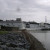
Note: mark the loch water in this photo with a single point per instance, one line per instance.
(43, 37)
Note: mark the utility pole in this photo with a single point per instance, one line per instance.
(45, 19)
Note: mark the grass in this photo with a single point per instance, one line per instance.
(3, 32)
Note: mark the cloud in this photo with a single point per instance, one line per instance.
(43, 2)
(33, 9)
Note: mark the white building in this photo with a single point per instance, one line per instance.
(45, 25)
(32, 26)
(12, 23)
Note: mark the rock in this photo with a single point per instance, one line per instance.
(19, 41)
(13, 41)
(1, 48)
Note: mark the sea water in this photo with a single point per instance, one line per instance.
(43, 37)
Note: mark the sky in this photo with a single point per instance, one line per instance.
(28, 10)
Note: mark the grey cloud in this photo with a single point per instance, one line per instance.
(28, 9)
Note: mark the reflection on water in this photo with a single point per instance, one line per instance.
(42, 36)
